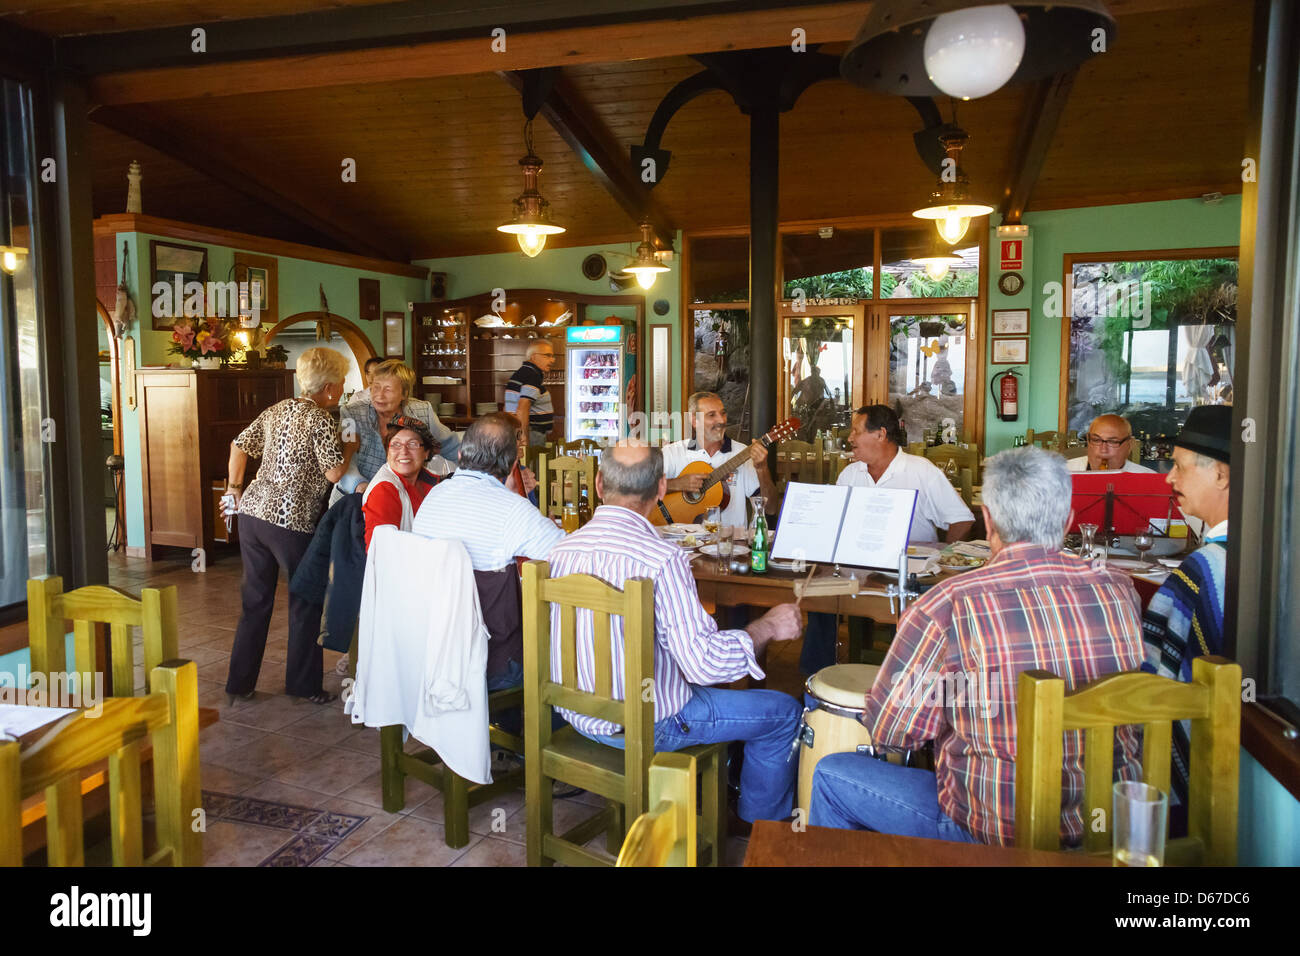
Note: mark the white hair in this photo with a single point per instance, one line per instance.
(1028, 493)
(538, 346)
(318, 367)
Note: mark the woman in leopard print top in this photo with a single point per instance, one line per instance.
(301, 455)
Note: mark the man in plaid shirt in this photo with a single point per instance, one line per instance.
(951, 672)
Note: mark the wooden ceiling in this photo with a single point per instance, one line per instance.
(73, 17)
(1162, 115)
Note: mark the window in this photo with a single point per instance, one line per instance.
(901, 277)
(24, 426)
(719, 268)
(1149, 338)
(839, 266)
(927, 371)
(722, 361)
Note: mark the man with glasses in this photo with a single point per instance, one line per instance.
(527, 397)
(1110, 439)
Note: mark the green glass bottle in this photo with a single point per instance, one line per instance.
(758, 545)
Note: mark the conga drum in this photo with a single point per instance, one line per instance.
(836, 700)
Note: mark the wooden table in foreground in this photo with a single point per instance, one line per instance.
(776, 844)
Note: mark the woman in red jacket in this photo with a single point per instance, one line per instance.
(394, 494)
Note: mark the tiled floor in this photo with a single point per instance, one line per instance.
(291, 783)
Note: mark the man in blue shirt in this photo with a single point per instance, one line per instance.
(526, 395)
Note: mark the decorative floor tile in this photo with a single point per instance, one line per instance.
(311, 831)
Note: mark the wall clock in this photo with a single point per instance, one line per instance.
(1011, 283)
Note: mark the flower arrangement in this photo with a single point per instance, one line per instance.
(276, 356)
(195, 340)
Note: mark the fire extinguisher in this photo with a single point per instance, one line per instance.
(1009, 400)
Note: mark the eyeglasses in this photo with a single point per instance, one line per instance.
(413, 445)
(1108, 442)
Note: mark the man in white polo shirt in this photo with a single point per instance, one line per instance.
(708, 418)
(1109, 439)
(878, 461)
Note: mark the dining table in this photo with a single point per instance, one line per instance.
(778, 843)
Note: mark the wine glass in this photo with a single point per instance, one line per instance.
(713, 519)
(1087, 530)
(725, 545)
(1144, 541)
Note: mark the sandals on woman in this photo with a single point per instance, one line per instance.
(324, 697)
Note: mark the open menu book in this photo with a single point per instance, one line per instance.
(854, 525)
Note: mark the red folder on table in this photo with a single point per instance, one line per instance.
(1124, 500)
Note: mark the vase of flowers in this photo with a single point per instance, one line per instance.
(206, 344)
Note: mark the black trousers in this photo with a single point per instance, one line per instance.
(265, 549)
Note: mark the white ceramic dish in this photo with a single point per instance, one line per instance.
(737, 550)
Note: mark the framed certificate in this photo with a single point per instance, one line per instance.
(1010, 352)
(1010, 321)
(394, 334)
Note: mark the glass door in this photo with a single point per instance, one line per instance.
(920, 354)
(818, 365)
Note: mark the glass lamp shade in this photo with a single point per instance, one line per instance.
(937, 263)
(645, 275)
(531, 235)
(952, 221)
(645, 266)
(9, 261)
(973, 52)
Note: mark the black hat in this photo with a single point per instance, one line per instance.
(1208, 432)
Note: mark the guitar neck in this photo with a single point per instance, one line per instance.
(723, 471)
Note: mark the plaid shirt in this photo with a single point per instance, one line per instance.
(951, 672)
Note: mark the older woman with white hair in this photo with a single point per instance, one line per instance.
(391, 385)
(951, 673)
(302, 455)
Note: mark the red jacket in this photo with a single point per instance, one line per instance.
(384, 505)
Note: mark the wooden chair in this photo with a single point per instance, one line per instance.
(665, 835)
(940, 455)
(1052, 441)
(93, 609)
(799, 461)
(578, 447)
(458, 794)
(1077, 451)
(1212, 701)
(916, 448)
(1135, 451)
(59, 763)
(619, 776)
(561, 480)
(835, 465)
(967, 483)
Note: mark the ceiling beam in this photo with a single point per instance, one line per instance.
(1034, 139)
(457, 56)
(593, 143)
(219, 164)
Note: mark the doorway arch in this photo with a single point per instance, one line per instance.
(349, 332)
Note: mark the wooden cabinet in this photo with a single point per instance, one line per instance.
(188, 419)
(481, 359)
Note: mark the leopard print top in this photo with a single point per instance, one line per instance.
(297, 442)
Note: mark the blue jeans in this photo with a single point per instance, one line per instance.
(853, 791)
(766, 720)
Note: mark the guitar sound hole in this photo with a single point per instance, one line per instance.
(693, 497)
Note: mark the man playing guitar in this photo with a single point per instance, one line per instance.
(708, 418)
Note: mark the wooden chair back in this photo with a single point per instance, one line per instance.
(916, 448)
(799, 461)
(562, 480)
(1212, 702)
(666, 834)
(940, 455)
(1052, 441)
(578, 447)
(836, 465)
(1075, 451)
(94, 610)
(1135, 451)
(57, 763)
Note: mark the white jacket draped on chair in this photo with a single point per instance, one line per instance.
(422, 649)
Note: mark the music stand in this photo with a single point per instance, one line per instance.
(1121, 502)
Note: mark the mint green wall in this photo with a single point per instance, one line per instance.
(1268, 828)
(560, 269)
(1174, 224)
(298, 290)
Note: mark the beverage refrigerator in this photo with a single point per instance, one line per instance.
(595, 383)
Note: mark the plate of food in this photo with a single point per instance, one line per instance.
(965, 556)
(681, 530)
(737, 550)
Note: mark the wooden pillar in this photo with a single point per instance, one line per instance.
(764, 196)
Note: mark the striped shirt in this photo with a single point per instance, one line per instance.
(617, 544)
(495, 524)
(527, 382)
(950, 676)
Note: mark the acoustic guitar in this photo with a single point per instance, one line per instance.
(686, 506)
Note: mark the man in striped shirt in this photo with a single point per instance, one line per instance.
(690, 653)
(950, 675)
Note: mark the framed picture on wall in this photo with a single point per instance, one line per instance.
(368, 294)
(263, 280)
(1010, 351)
(167, 262)
(1010, 321)
(395, 335)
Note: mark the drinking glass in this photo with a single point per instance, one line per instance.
(1144, 541)
(1140, 814)
(724, 545)
(712, 519)
(1087, 531)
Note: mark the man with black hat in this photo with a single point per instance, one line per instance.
(1185, 617)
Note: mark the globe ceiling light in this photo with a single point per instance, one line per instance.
(531, 223)
(645, 266)
(889, 54)
(952, 205)
(972, 53)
